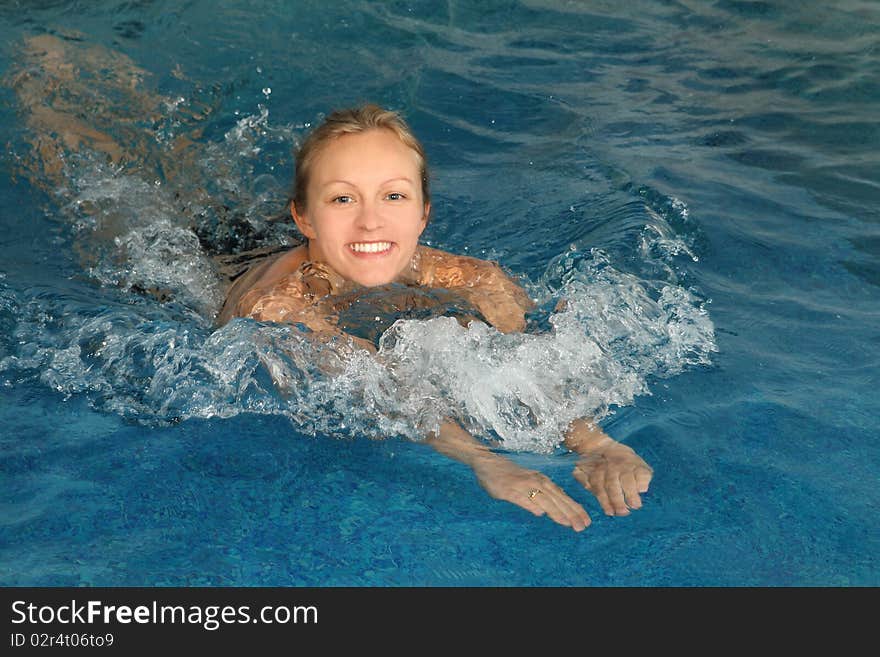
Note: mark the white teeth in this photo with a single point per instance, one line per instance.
(371, 247)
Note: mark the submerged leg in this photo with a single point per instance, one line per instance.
(74, 96)
(98, 139)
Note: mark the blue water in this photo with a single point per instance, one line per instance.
(702, 179)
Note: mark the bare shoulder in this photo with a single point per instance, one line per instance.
(502, 300)
(258, 280)
(450, 270)
(283, 266)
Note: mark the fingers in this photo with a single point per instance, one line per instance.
(616, 498)
(643, 478)
(552, 501)
(607, 491)
(616, 493)
(531, 490)
(630, 490)
(565, 510)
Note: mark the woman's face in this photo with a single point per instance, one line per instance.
(365, 210)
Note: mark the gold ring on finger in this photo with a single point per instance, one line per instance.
(534, 492)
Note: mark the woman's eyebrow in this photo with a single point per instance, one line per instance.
(403, 178)
(390, 180)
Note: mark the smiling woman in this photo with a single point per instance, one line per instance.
(686, 190)
(359, 202)
(362, 200)
(366, 226)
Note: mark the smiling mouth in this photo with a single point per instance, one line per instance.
(370, 247)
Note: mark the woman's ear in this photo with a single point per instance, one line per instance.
(302, 222)
(425, 216)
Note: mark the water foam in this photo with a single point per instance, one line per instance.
(614, 333)
(599, 337)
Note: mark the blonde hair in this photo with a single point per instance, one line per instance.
(351, 121)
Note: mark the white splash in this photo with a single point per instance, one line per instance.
(614, 334)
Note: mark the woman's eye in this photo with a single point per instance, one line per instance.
(343, 199)
(394, 196)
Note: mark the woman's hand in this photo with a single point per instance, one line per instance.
(505, 480)
(611, 471)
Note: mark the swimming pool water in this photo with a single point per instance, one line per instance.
(726, 152)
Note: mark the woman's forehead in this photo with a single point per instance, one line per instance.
(372, 154)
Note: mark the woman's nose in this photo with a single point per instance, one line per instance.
(369, 218)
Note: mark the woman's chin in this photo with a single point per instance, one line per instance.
(373, 276)
(373, 281)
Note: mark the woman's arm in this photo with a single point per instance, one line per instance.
(502, 302)
(503, 479)
(613, 472)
